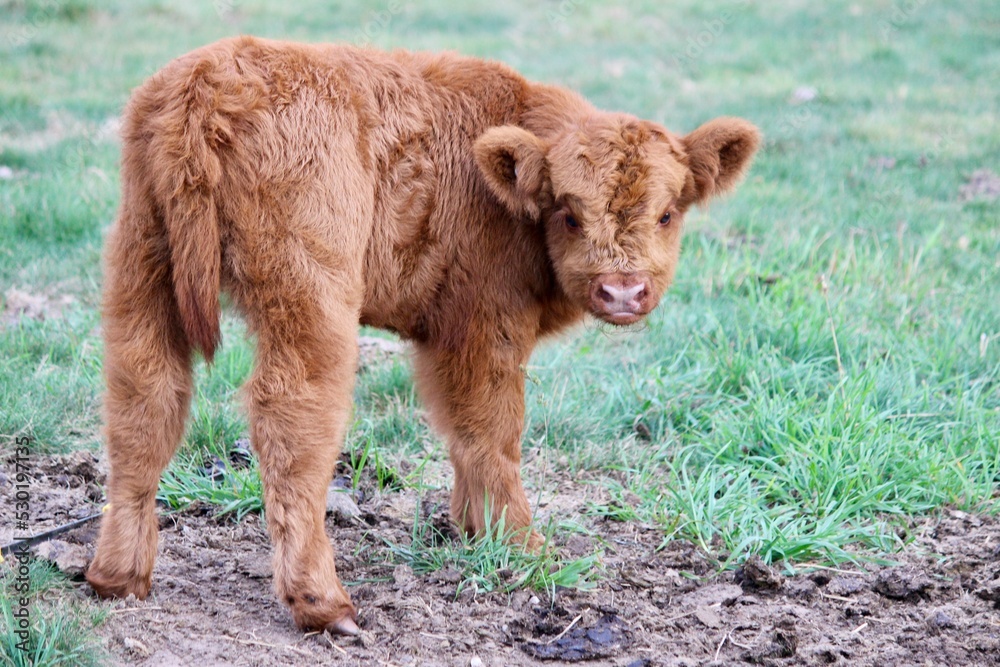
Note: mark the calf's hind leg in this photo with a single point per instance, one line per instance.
(299, 402)
(147, 367)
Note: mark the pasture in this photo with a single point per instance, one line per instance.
(796, 460)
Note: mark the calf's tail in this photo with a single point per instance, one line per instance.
(194, 107)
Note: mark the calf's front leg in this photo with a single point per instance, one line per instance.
(476, 400)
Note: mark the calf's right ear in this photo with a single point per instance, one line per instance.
(512, 160)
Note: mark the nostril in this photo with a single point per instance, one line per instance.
(633, 292)
(604, 295)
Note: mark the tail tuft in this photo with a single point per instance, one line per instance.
(195, 261)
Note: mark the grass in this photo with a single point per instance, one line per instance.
(495, 560)
(365, 458)
(60, 632)
(825, 369)
(238, 492)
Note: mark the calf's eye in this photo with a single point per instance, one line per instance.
(572, 222)
(665, 220)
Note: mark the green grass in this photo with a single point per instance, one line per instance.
(60, 632)
(50, 373)
(238, 492)
(494, 560)
(825, 369)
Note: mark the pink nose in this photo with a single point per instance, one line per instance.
(621, 298)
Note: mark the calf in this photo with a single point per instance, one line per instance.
(321, 187)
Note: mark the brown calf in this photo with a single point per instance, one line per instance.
(444, 198)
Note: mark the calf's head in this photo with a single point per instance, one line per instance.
(612, 192)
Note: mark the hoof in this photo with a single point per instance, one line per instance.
(117, 586)
(314, 613)
(345, 626)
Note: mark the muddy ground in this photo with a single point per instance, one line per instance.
(212, 605)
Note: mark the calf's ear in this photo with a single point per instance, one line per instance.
(512, 161)
(719, 153)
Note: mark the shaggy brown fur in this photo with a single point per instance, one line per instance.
(444, 198)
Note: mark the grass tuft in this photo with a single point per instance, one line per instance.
(494, 560)
(239, 491)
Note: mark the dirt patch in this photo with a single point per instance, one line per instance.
(982, 184)
(373, 351)
(19, 304)
(62, 489)
(657, 604)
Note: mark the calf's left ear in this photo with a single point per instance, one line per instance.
(512, 161)
(719, 153)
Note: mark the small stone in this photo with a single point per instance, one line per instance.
(340, 503)
(476, 661)
(80, 512)
(534, 601)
